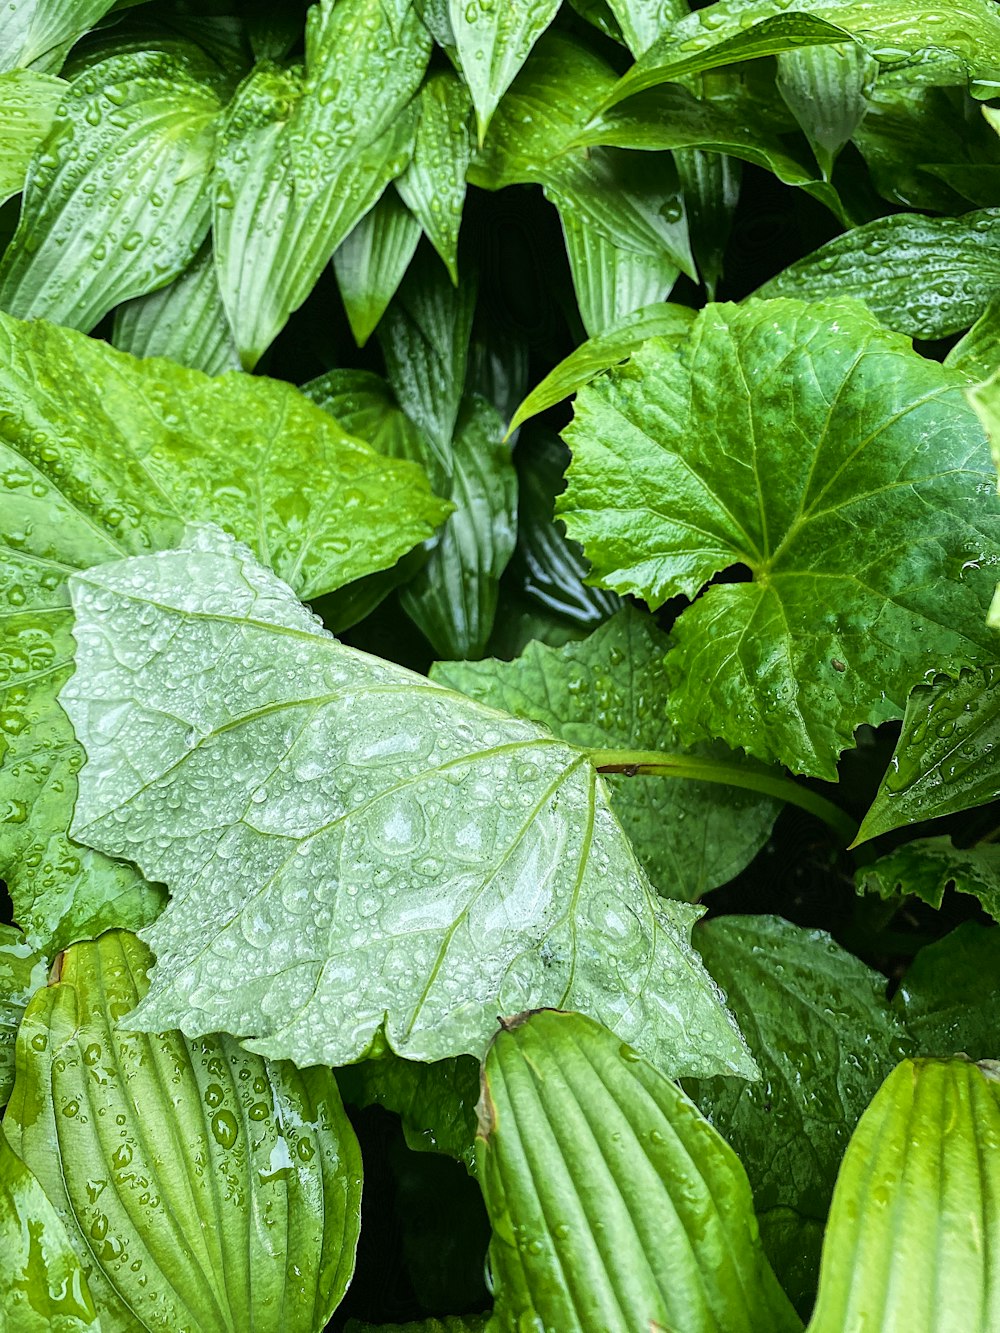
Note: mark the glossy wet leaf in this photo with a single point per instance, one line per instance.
(43, 1286)
(201, 1186)
(366, 407)
(927, 867)
(493, 42)
(612, 282)
(977, 355)
(452, 861)
(924, 276)
(433, 185)
(949, 998)
(116, 203)
(304, 154)
(643, 21)
(920, 1178)
(22, 971)
(946, 755)
(824, 1036)
(371, 262)
(39, 32)
(472, 1323)
(845, 472)
(608, 692)
(710, 183)
(28, 104)
(160, 443)
(826, 89)
(614, 1203)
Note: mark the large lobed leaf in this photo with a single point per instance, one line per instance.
(381, 851)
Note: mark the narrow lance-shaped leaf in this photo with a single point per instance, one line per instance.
(977, 355)
(370, 263)
(710, 183)
(614, 1203)
(116, 203)
(201, 1186)
(611, 282)
(493, 41)
(826, 89)
(28, 104)
(926, 867)
(810, 445)
(451, 862)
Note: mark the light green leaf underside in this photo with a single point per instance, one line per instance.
(923, 276)
(643, 21)
(921, 1177)
(608, 692)
(433, 185)
(824, 1037)
(371, 262)
(22, 971)
(451, 862)
(35, 32)
(185, 321)
(846, 472)
(949, 998)
(158, 444)
(43, 1288)
(946, 756)
(826, 88)
(116, 202)
(28, 103)
(493, 42)
(927, 867)
(201, 1186)
(614, 1204)
(304, 154)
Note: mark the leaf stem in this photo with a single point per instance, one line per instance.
(701, 768)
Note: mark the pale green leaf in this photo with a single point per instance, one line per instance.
(22, 971)
(913, 1239)
(158, 444)
(201, 1186)
(37, 32)
(643, 21)
(810, 445)
(185, 321)
(433, 185)
(493, 41)
(612, 283)
(614, 1203)
(366, 407)
(28, 104)
(927, 867)
(452, 862)
(926, 277)
(608, 692)
(371, 261)
(977, 355)
(826, 88)
(116, 202)
(43, 1289)
(946, 757)
(304, 154)
(949, 998)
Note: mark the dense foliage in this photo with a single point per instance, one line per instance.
(497, 521)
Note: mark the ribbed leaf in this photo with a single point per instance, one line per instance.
(949, 998)
(926, 867)
(710, 183)
(116, 203)
(612, 283)
(38, 32)
(452, 859)
(977, 355)
(826, 89)
(28, 104)
(471, 1323)
(371, 262)
(433, 185)
(22, 971)
(201, 1186)
(614, 1203)
(913, 1239)
(985, 402)
(493, 41)
(303, 156)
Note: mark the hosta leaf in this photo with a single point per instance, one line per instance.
(43, 1286)
(928, 866)
(366, 407)
(28, 103)
(22, 971)
(371, 262)
(927, 277)
(433, 185)
(949, 998)
(614, 1203)
(710, 183)
(643, 21)
(36, 32)
(913, 1239)
(201, 1186)
(116, 203)
(825, 1037)
(689, 836)
(845, 472)
(102, 456)
(450, 863)
(303, 155)
(977, 355)
(611, 282)
(826, 88)
(185, 321)
(946, 756)
(493, 42)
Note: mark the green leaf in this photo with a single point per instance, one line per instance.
(22, 971)
(116, 202)
(826, 88)
(824, 1037)
(433, 185)
(370, 263)
(493, 42)
(710, 183)
(985, 402)
(926, 867)
(949, 998)
(614, 1203)
(945, 758)
(157, 444)
(920, 1180)
(610, 281)
(38, 32)
(977, 355)
(28, 103)
(926, 277)
(616, 343)
(366, 407)
(44, 1287)
(452, 861)
(845, 472)
(201, 1186)
(303, 156)
(606, 692)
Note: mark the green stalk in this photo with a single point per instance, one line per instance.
(700, 768)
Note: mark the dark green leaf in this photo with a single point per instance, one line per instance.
(643, 21)
(22, 971)
(711, 186)
(450, 863)
(371, 261)
(928, 866)
(28, 104)
(950, 997)
(493, 41)
(433, 185)
(977, 355)
(826, 89)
